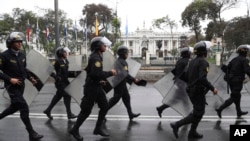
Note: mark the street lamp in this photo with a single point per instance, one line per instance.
(183, 39)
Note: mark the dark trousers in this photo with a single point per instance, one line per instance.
(18, 103)
(60, 93)
(235, 96)
(92, 95)
(198, 99)
(121, 92)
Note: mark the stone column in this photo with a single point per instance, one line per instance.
(217, 58)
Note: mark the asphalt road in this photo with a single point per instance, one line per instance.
(147, 127)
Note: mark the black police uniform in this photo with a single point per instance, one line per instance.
(121, 91)
(61, 67)
(237, 69)
(13, 65)
(93, 93)
(197, 88)
(180, 68)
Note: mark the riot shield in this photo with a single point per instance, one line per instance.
(177, 98)
(133, 67)
(43, 70)
(108, 64)
(40, 72)
(164, 84)
(75, 88)
(75, 62)
(75, 65)
(121, 74)
(215, 77)
(108, 60)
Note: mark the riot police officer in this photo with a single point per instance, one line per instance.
(179, 72)
(236, 69)
(93, 91)
(121, 90)
(14, 73)
(197, 85)
(61, 81)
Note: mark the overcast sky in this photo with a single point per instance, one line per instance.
(136, 11)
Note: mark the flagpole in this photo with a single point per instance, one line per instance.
(86, 37)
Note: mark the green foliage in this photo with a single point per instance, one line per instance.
(237, 32)
(116, 45)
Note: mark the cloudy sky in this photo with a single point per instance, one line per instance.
(136, 11)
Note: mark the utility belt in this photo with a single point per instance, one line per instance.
(196, 88)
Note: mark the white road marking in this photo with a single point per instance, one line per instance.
(140, 118)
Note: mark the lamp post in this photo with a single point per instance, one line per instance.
(56, 23)
(183, 39)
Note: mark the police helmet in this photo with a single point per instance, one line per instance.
(243, 49)
(60, 51)
(97, 42)
(201, 47)
(14, 37)
(186, 51)
(122, 50)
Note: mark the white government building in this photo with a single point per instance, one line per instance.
(144, 41)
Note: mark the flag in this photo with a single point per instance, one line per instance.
(75, 29)
(28, 31)
(126, 27)
(96, 26)
(47, 31)
(65, 31)
(85, 31)
(37, 29)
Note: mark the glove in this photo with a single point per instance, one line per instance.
(141, 82)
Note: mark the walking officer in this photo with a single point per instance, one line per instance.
(14, 72)
(180, 74)
(236, 70)
(197, 88)
(61, 81)
(93, 91)
(121, 90)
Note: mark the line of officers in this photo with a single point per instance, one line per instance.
(14, 72)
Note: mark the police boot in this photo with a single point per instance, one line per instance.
(48, 114)
(33, 135)
(223, 106)
(161, 108)
(72, 116)
(193, 133)
(238, 109)
(75, 133)
(175, 129)
(132, 115)
(175, 126)
(100, 131)
(98, 128)
(241, 113)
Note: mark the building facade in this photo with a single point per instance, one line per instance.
(157, 44)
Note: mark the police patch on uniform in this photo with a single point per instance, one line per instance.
(13, 61)
(207, 69)
(125, 67)
(98, 64)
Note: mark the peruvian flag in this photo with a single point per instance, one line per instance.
(28, 31)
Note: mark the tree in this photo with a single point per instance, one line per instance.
(104, 15)
(237, 32)
(18, 20)
(193, 15)
(165, 22)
